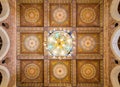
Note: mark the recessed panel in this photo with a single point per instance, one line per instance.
(88, 43)
(89, 72)
(30, 73)
(60, 15)
(31, 15)
(31, 43)
(60, 71)
(88, 15)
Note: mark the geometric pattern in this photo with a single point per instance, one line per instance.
(60, 71)
(60, 15)
(30, 72)
(31, 15)
(88, 15)
(31, 43)
(64, 17)
(89, 71)
(88, 43)
(30, 39)
(59, 43)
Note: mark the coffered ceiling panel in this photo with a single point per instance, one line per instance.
(30, 73)
(88, 15)
(31, 15)
(60, 14)
(89, 42)
(30, 42)
(89, 72)
(60, 72)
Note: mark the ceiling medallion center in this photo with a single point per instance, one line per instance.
(59, 43)
(88, 15)
(59, 15)
(87, 43)
(60, 71)
(31, 43)
(32, 71)
(32, 15)
(88, 71)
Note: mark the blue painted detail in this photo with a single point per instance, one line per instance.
(50, 46)
(57, 35)
(67, 47)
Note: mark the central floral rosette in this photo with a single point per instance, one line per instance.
(59, 43)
